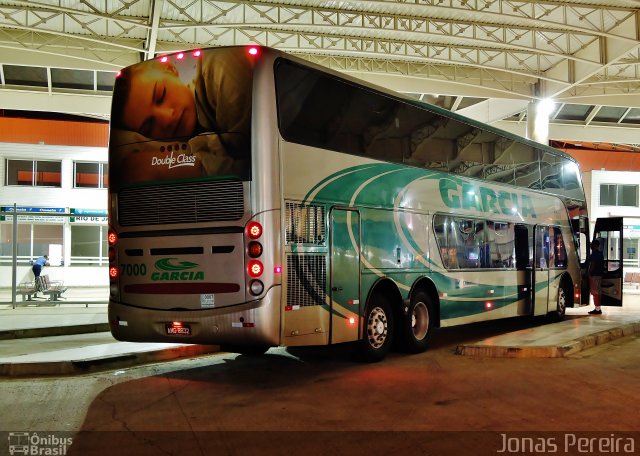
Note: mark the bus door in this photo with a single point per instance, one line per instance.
(344, 276)
(609, 232)
(524, 266)
(580, 228)
(540, 270)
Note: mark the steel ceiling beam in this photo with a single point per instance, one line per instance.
(152, 37)
(577, 50)
(560, 43)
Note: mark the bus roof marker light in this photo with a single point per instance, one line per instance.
(197, 53)
(180, 56)
(253, 50)
(164, 59)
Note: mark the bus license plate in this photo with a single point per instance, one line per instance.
(184, 330)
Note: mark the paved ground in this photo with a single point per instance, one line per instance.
(521, 383)
(72, 339)
(318, 401)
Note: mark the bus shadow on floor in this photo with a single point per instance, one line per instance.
(451, 337)
(442, 339)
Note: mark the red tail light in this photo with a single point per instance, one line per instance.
(254, 230)
(112, 237)
(254, 249)
(113, 272)
(255, 268)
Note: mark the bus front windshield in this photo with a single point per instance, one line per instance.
(181, 117)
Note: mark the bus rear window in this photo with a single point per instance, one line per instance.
(182, 116)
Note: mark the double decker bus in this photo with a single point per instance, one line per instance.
(259, 200)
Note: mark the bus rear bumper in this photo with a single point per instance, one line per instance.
(252, 323)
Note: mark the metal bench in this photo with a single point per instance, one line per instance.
(28, 290)
(42, 284)
(632, 279)
(53, 288)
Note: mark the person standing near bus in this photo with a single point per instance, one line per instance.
(39, 264)
(596, 269)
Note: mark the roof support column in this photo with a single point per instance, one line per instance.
(538, 112)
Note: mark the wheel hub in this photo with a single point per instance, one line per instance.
(377, 327)
(420, 320)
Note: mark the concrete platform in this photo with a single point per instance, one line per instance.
(71, 339)
(576, 333)
(74, 340)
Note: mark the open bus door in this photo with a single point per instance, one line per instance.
(609, 232)
(580, 228)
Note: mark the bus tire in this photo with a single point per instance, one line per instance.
(561, 304)
(378, 330)
(417, 323)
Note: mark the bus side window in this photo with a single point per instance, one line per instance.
(542, 247)
(523, 246)
(502, 244)
(559, 249)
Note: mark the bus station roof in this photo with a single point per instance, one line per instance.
(487, 59)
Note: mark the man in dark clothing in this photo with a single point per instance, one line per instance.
(39, 264)
(596, 269)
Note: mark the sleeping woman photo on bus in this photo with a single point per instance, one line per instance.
(185, 115)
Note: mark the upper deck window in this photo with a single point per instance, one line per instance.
(322, 110)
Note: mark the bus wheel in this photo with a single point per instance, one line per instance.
(561, 305)
(417, 323)
(378, 330)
